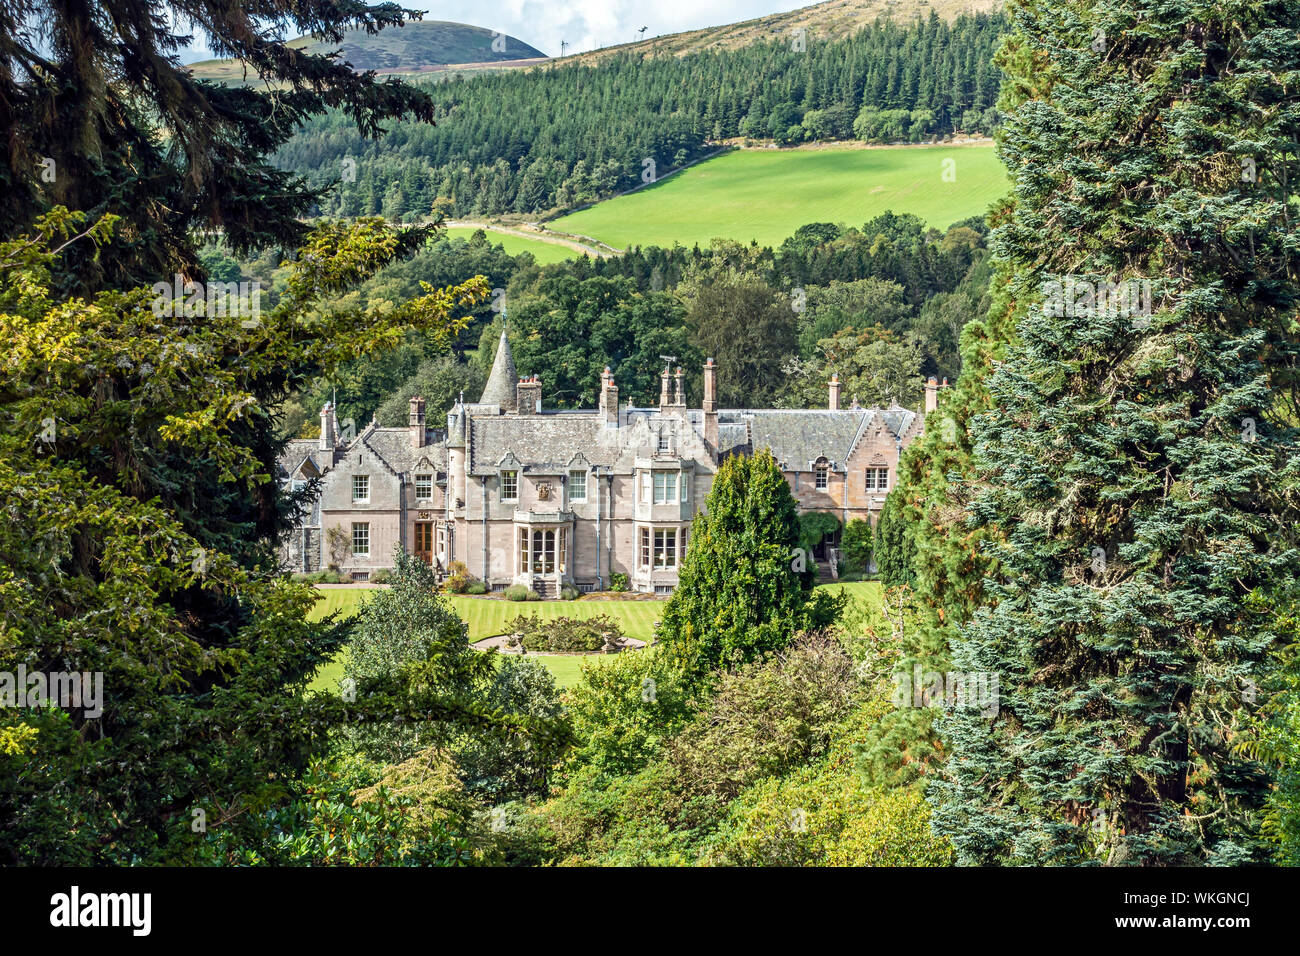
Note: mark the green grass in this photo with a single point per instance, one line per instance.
(767, 194)
(488, 617)
(545, 253)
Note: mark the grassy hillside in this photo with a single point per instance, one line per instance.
(829, 20)
(766, 194)
(414, 48)
(544, 252)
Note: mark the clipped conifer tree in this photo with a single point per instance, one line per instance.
(744, 586)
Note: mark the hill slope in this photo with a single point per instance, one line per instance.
(830, 20)
(766, 195)
(417, 47)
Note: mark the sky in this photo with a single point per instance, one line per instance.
(585, 24)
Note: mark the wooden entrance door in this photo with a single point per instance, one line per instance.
(424, 541)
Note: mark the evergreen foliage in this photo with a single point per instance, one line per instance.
(895, 549)
(101, 116)
(105, 566)
(857, 544)
(1136, 470)
(561, 136)
(741, 593)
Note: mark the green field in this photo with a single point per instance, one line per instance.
(544, 252)
(767, 194)
(487, 617)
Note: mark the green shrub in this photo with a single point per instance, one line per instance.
(410, 629)
(570, 593)
(618, 581)
(564, 633)
(501, 766)
(518, 592)
(895, 545)
(856, 544)
(382, 576)
(623, 710)
(476, 587)
(739, 594)
(458, 578)
(326, 576)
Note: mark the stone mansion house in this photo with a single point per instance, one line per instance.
(547, 497)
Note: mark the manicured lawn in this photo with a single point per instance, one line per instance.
(859, 590)
(767, 194)
(544, 252)
(487, 617)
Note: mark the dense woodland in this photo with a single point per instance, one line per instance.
(881, 304)
(558, 137)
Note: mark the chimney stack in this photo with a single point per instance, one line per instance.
(417, 422)
(835, 392)
(664, 399)
(710, 386)
(328, 427)
(529, 396)
(710, 406)
(608, 397)
(680, 401)
(932, 394)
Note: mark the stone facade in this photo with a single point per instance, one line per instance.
(522, 494)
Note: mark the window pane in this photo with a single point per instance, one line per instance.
(577, 486)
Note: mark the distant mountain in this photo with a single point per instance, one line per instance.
(830, 20)
(419, 47)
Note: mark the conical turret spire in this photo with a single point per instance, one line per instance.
(500, 387)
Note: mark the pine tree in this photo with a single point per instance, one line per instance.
(100, 115)
(1137, 466)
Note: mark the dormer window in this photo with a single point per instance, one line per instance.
(822, 475)
(423, 487)
(509, 486)
(877, 479)
(665, 442)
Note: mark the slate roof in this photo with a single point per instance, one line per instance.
(798, 437)
(393, 445)
(544, 444)
(500, 387)
(296, 451)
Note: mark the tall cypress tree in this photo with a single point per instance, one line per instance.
(744, 590)
(1137, 466)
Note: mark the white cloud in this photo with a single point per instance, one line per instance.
(585, 24)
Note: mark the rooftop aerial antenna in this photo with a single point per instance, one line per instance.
(669, 359)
